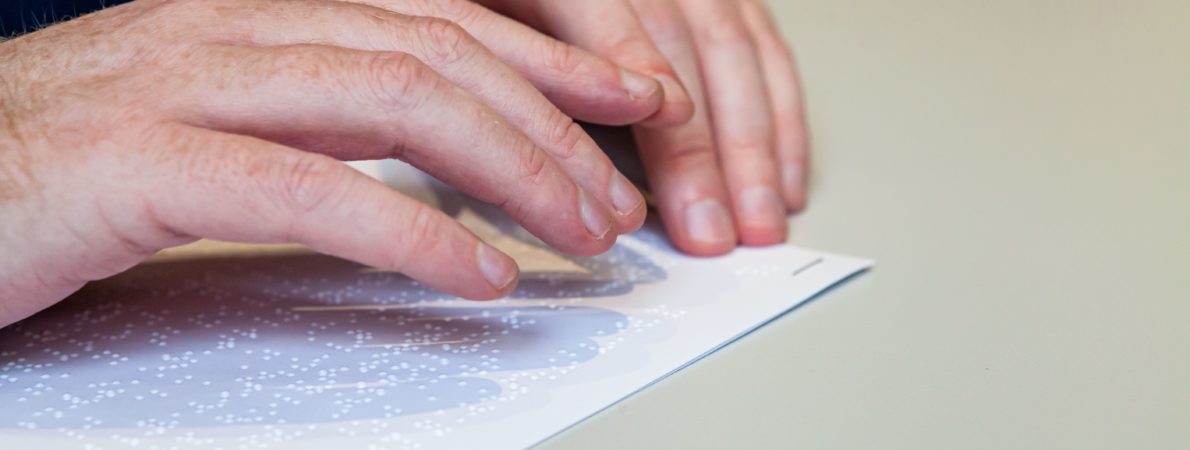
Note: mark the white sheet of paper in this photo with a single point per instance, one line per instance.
(306, 351)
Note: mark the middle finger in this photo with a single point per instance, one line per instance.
(682, 165)
(739, 102)
(453, 53)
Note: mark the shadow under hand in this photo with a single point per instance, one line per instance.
(288, 339)
(303, 338)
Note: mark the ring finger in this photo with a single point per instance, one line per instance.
(681, 161)
(742, 116)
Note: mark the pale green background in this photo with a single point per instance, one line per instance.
(1021, 172)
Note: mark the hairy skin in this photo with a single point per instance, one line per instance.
(159, 122)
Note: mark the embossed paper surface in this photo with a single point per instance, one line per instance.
(252, 349)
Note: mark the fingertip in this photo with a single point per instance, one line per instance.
(793, 182)
(629, 203)
(603, 93)
(589, 231)
(753, 236)
(704, 249)
(595, 247)
(796, 203)
(704, 228)
(487, 295)
(596, 219)
(568, 218)
(629, 223)
(762, 217)
(498, 269)
(677, 107)
(645, 95)
(633, 222)
(640, 86)
(693, 245)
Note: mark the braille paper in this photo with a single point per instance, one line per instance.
(290, 349)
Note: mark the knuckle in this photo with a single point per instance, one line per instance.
(457, 10)
(624, 44)
(563, 136)
(748, 145)
(559, 57)
(640, 47)
(666, 26)
(534, 166)
(445, 41)
(308, 182)
(691, 156)
(724, 30)
(399, 80)
(421, 234)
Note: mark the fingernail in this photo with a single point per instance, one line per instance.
(708, 221)
(762, 207)
(637, 85)
(495, 266)
(672, 88)
(624, 195)
(594, 218)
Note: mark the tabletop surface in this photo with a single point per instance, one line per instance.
(1019, 169)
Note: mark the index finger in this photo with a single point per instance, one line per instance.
(243, 189)
(627, 43)
(583, 85)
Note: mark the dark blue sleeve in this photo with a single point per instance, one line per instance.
(22, 16)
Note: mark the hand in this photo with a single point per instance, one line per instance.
(154, 123)
(733, 170)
